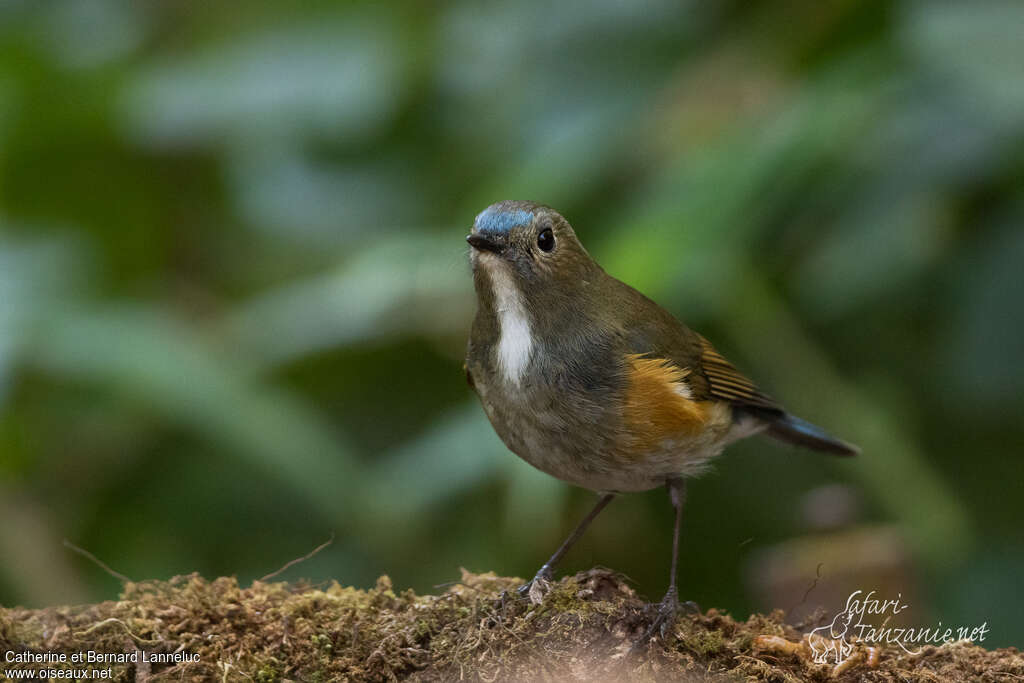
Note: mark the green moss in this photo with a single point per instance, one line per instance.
(585, 628)
(266, 675)
(703, 642)
(743, 642)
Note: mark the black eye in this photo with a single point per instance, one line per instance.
(546, 240)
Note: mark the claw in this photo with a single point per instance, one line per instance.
(500, 605)
(667, 610)
(538, 587)
(533, 590)
(665, 619)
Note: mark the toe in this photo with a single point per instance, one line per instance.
(538, 589)
(664, 621)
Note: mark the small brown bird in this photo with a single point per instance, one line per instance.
(588, 380)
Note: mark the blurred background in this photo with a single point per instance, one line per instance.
(234, 294)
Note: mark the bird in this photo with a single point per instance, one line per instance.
(592, 382)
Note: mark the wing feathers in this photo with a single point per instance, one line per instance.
(658, 403)
(726, 383)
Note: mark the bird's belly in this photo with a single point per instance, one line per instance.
(593, 448)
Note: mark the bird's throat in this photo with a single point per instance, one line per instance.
(515, 334)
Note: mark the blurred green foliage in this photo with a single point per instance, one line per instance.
(234, 294)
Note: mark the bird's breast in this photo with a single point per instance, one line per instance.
(620, 425)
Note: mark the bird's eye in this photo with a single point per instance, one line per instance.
(546, 240)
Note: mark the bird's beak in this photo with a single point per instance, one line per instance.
(486, 243)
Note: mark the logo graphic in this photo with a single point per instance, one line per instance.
(865, 620)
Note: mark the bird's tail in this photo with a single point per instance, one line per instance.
(792, 429)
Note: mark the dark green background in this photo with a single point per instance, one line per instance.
(234, 292)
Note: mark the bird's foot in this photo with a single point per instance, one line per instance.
(533, 590)
(665, 617)
(538, 587)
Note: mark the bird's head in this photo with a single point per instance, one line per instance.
(527, 245)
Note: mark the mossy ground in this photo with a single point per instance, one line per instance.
(583, 630)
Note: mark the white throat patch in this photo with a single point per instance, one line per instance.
(515, 341)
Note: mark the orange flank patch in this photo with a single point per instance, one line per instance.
(657, 404)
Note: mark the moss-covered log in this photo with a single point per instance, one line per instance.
(584, 629)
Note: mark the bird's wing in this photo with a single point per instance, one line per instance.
(726, 383)
(653, 332)
(658, 403)
(665, 348)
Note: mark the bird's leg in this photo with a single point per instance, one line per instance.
(536, 587)
(665, 619)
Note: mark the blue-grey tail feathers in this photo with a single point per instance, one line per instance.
(792, 429)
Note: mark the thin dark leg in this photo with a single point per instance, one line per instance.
(669, 605)
(676, 494)
(548, 570)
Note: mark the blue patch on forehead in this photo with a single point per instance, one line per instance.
(501, 220)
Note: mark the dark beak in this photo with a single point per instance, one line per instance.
(484, 243)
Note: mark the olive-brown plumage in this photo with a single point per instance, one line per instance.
(590, 381)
